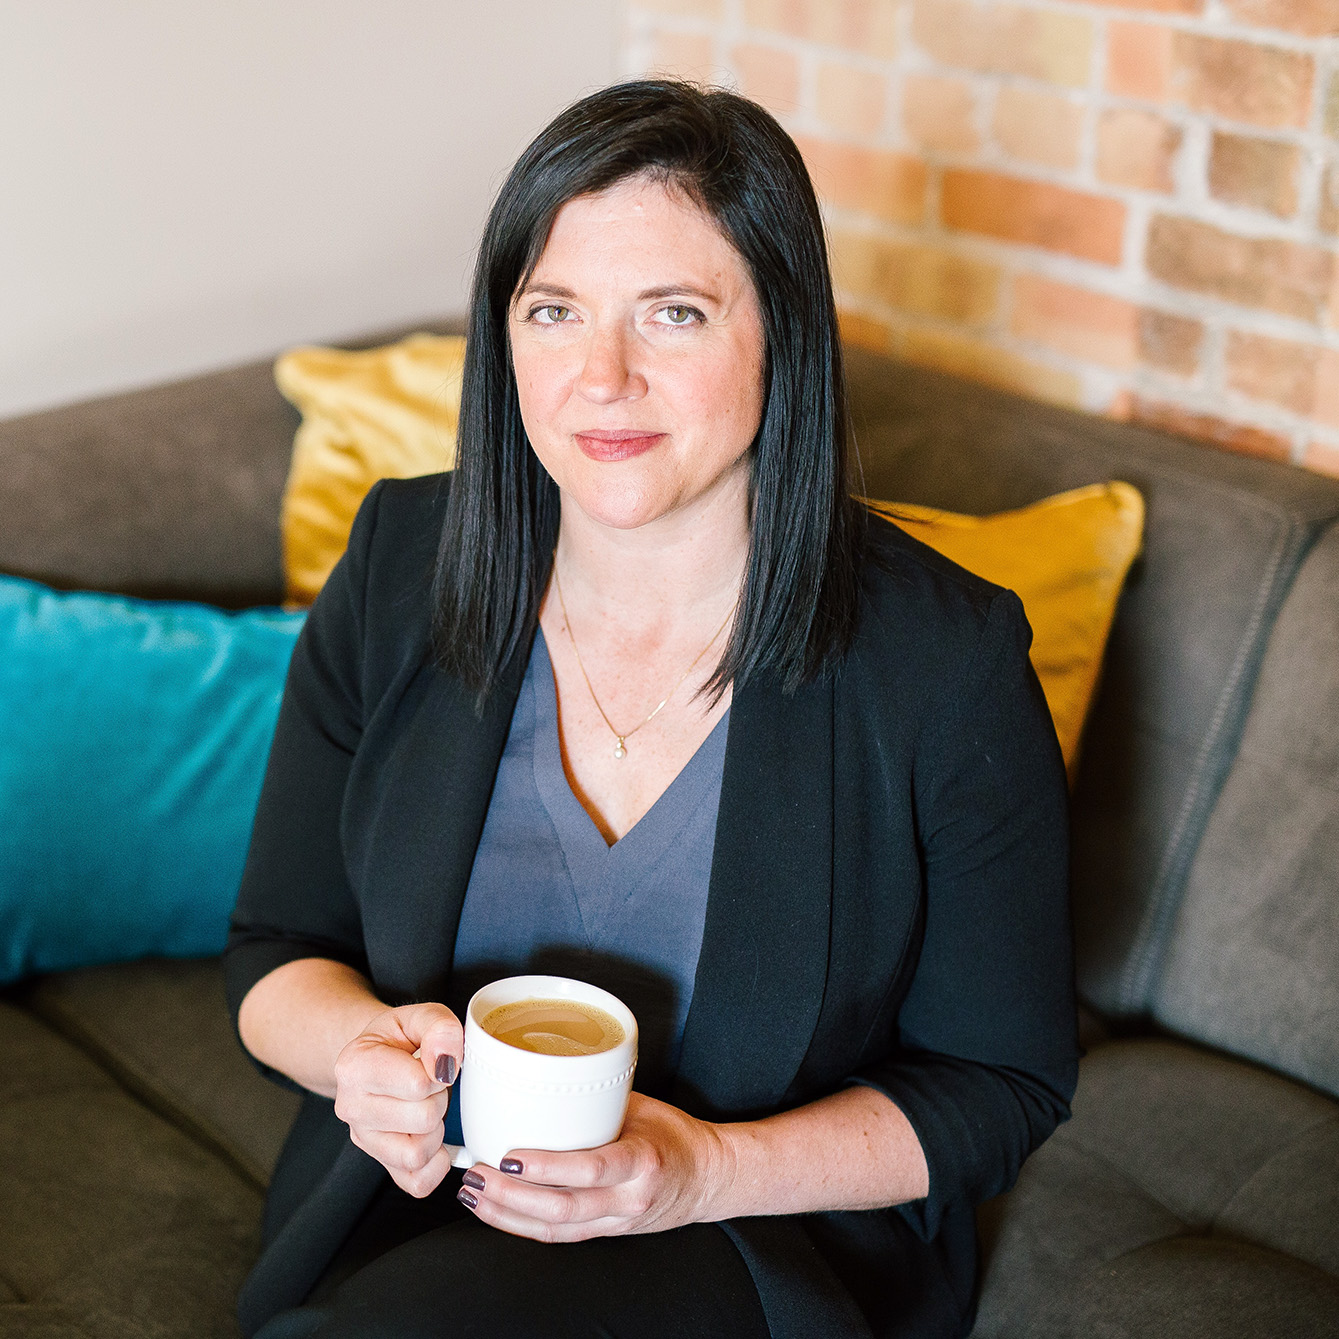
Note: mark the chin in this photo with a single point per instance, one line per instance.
(619, 508)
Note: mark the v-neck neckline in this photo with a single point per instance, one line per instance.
(646, 841)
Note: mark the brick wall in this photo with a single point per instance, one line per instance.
(1126, 206)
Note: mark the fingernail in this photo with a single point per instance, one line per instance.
(511, 1166)
(467, 1199)
(473, 1180)
(446, 1069)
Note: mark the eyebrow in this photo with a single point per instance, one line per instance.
(646, 295)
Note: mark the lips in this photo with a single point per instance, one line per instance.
(621, 444)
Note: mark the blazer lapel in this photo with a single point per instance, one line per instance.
(763, 966)
(435, 787)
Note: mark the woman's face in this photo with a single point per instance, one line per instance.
(638, 351)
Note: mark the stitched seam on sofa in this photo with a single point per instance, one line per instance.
(140, 1083)
(1330, 1118)
(1145, 952)
(1119, 1173)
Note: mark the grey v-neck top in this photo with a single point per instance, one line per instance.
(547, 894)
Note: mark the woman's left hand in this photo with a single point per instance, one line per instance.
(663, 1171)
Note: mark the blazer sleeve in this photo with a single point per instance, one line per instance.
(988, 1050)
(295, 899)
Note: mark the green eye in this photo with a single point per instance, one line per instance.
(679, 315)
(555, 314)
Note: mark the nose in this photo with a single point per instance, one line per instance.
(608, 373)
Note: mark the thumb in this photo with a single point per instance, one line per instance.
(437, 1038)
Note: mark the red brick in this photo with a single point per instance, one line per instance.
(1310, 18)
(863, 331)
(1076, 321)
(1034, 213)
(767, 75)
(1241, 81)
(1329, 201)
(1291, 278)
(916, 278)
(890, 186)
(1258, 173)
(1322, 457)
(1267, 86)
(1243, 438)
(1326, 405)
(868, 26)
(1170, 342)
(1137, 148)
(1140, 60)
(979, 361)
(851, 100)
(1001, 38)
(939, 113)
(1038, 127)
(1156, 6)
(1278, 370)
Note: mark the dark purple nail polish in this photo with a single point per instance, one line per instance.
(446, 1069)
(511, 1166)
(467, 1199)
(473, 1180)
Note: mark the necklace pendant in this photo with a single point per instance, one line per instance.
(619, 750)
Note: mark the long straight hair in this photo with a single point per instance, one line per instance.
(797, 613)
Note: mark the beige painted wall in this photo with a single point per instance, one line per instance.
(185, 185)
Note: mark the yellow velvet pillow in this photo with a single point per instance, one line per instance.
(1066, 558)
(378, 413)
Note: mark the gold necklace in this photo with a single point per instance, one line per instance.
(620, 740)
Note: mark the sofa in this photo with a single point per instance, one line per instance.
(1196, 1189)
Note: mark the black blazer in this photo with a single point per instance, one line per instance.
(888, 903)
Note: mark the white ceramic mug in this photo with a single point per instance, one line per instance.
(510, 1098)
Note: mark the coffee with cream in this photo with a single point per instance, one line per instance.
(554, 1027)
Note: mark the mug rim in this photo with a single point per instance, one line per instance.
(555, 1068)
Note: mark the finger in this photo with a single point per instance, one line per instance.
(393, 1115)
(436, 1034)
(555, 1205)
(426, 1179)
(609, 1165)
(403, 1155)
(520, 1225)
(372, 1064)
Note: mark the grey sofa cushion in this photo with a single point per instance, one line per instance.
(1223, 540)
(163, 1029)
(1253, 961)
(168, 492)
(114, 1225)
(1191, 1195)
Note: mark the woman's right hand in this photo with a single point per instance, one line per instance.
(392, 1087)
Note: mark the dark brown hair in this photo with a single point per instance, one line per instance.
(798, 609)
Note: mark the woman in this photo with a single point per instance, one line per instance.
(675, 717)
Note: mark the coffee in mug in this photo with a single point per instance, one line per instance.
(554, 1026)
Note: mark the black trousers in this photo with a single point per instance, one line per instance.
(414, 1269)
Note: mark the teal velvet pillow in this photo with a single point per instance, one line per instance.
(133, 740)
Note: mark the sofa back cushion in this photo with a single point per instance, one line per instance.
(1223, 538)
(1252, 964)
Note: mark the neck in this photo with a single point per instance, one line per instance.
(682, 568)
